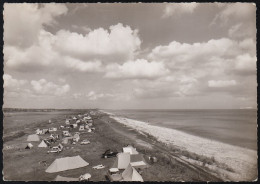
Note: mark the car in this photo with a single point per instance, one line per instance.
(114, 175)
(109, 153)
(55, 150)
(85, 142)
(101, 166)
(85, 177)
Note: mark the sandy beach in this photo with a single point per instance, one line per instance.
(229, 162)
(108, 134)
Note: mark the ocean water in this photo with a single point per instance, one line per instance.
(235, 127)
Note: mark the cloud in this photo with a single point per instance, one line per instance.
(82, 66)
(220, 83)
(69, 50)
(245, 64)
(23, 21)
(120, 41)
(11, 83)
(139, 68)
(44, 87)
(92, 95)
(179, 8)
(183, 52)
(44, 57)
(217, 55)
(235, 13)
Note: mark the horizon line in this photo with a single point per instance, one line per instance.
(126, 108)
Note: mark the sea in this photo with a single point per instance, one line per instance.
(235, 127)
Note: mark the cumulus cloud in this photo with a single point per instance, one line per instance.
(183, 52)
(44, 87)
(74, 51)
(217, 55)
(245, 64)
(139, 68)
(120, 40)
(11, 83)
(92, 95)
(23, 21)
(79, 65)
(179, 8)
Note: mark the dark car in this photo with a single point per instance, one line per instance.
(109, 153)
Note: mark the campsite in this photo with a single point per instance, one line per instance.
(111, 152)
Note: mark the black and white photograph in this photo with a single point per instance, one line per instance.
(130, 92)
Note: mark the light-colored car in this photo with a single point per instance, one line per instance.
(114, 175)
(55, 150)
(85, 142)
(101, 166)
(85, 177)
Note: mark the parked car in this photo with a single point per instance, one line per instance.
(109, 153)
(85, 177)
(54, 150)
(114, 175)
(85, 142)
(101, 166)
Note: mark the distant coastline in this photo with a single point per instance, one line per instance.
(39, 110)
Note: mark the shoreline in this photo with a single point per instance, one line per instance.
(234, 163)
(192, 132)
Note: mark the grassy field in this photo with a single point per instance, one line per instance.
(28, 165)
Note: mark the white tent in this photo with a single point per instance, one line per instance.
(29, 146)
(66, 163)
(124, 159)
(130, 149)
(33, 137)
(138, 161)
(42, 144)
(130, 174)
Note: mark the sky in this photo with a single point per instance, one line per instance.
(130, 56)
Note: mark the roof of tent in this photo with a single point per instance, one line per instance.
(29, 146)
(130, 174)
(33, 137)
(66, 163)
(61, 178)
(138, 161)
(124, 159)
(130, 149)
(42, 144)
